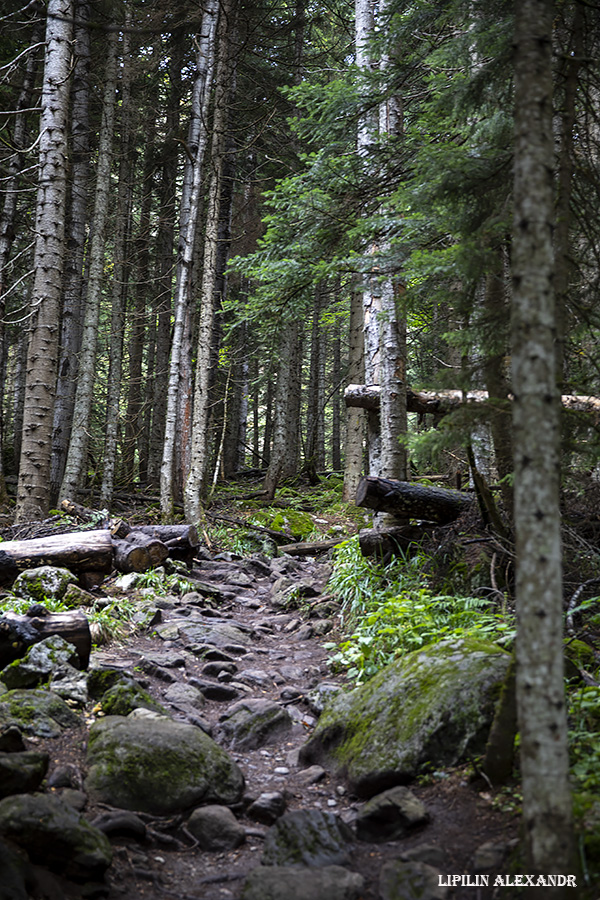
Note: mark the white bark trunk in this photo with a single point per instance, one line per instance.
(190, 207)
(33, 492)
(540, 680)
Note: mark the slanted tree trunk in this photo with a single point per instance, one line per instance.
(33, 491)
(75, 467)
(547, 805)
(190, 210)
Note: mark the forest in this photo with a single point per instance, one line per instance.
(280, 242)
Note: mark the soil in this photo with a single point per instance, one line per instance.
(462, 816)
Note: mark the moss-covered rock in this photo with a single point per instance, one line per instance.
(37, 712)
(40, 661)
(22, 772)
(429, 708)
(158, 766)
(254, 722)
(39, 584)
(56, 835)
(125, 696)
(75, 597)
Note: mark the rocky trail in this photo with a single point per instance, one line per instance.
(240, 658)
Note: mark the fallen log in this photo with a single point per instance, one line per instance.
(367, 396)
(138, 552)
(19, 632)
(242, 523)
(415, 501)
(79, 551)
(308, 548)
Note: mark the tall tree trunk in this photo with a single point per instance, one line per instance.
(355, 417)
(16, 162)
(225, 75)
(548, 830)
(121, 267)
(78, 220)
(33, 494)
(190, 208)
(75, 467)
(285, 441)
(336, 404)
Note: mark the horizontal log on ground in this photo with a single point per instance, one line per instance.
(242, 523)
(415, 501)
(18, 633)
(308, 548)
(387, 542)
(80, 551)
(367, 396)
(138, 552)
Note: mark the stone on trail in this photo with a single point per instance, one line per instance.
(17, 873)
(43, 583)
(38, 663)
(307, 837)
(55, 835)
(390, 815)
(254, 722)
(216, 828)
(22, 772)
(293, 883)
(267, 808)
(400, 880)
(154, 765)
(37, 712)
(431, 707)
(216, 634)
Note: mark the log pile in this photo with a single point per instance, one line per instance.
(91, 555)
(18, 633)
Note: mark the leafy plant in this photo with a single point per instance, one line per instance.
(584, 737)
(393, 612)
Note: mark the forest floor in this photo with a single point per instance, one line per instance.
(463, 814)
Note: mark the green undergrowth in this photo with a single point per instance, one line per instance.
(388, 611)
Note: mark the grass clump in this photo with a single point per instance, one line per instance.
(390, 611)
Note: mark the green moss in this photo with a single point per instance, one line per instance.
(125, 696)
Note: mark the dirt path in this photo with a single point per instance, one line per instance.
(284, 661)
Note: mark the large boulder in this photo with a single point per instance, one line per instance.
(37, 712)
(55, 835)
(154, 765)
(308, 837)
(22, 772)
(432, 707)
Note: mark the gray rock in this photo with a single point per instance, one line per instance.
(312, 775)
(322, 626)
(75, 597)
(320, 695)
(293, 883)
(67, 776)
(390, 815)
(22, 772)
(256, 677)
(307, 837)
(152, 764)
(426, 853)
(304, 633)
(55, 835)
(127, 695)
(214, 669)
(220, 693)
(76, 799)
(491, 855)
(216, 828)
(254, 722)
(183, 695)
(401, 880)
(267, 808)
(42, 583)
(120, 823)
(38, 663)
(169, 659)
(37, 712)
(431, 707)
(240, 579)
(70, 684)
(217, 635)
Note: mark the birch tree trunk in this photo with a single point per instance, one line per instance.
(225, 75)
(33, 494)
(355, 417)
(77, 222)
(190, 209)
(77, 456)
(540, 679)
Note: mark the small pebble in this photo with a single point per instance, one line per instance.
(281, 770)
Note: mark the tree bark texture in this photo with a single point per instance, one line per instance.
(539, 647)
(78, 551)
(33, 494)
(18, 633)
(77, 455)
(405, 499)
(355, 417)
